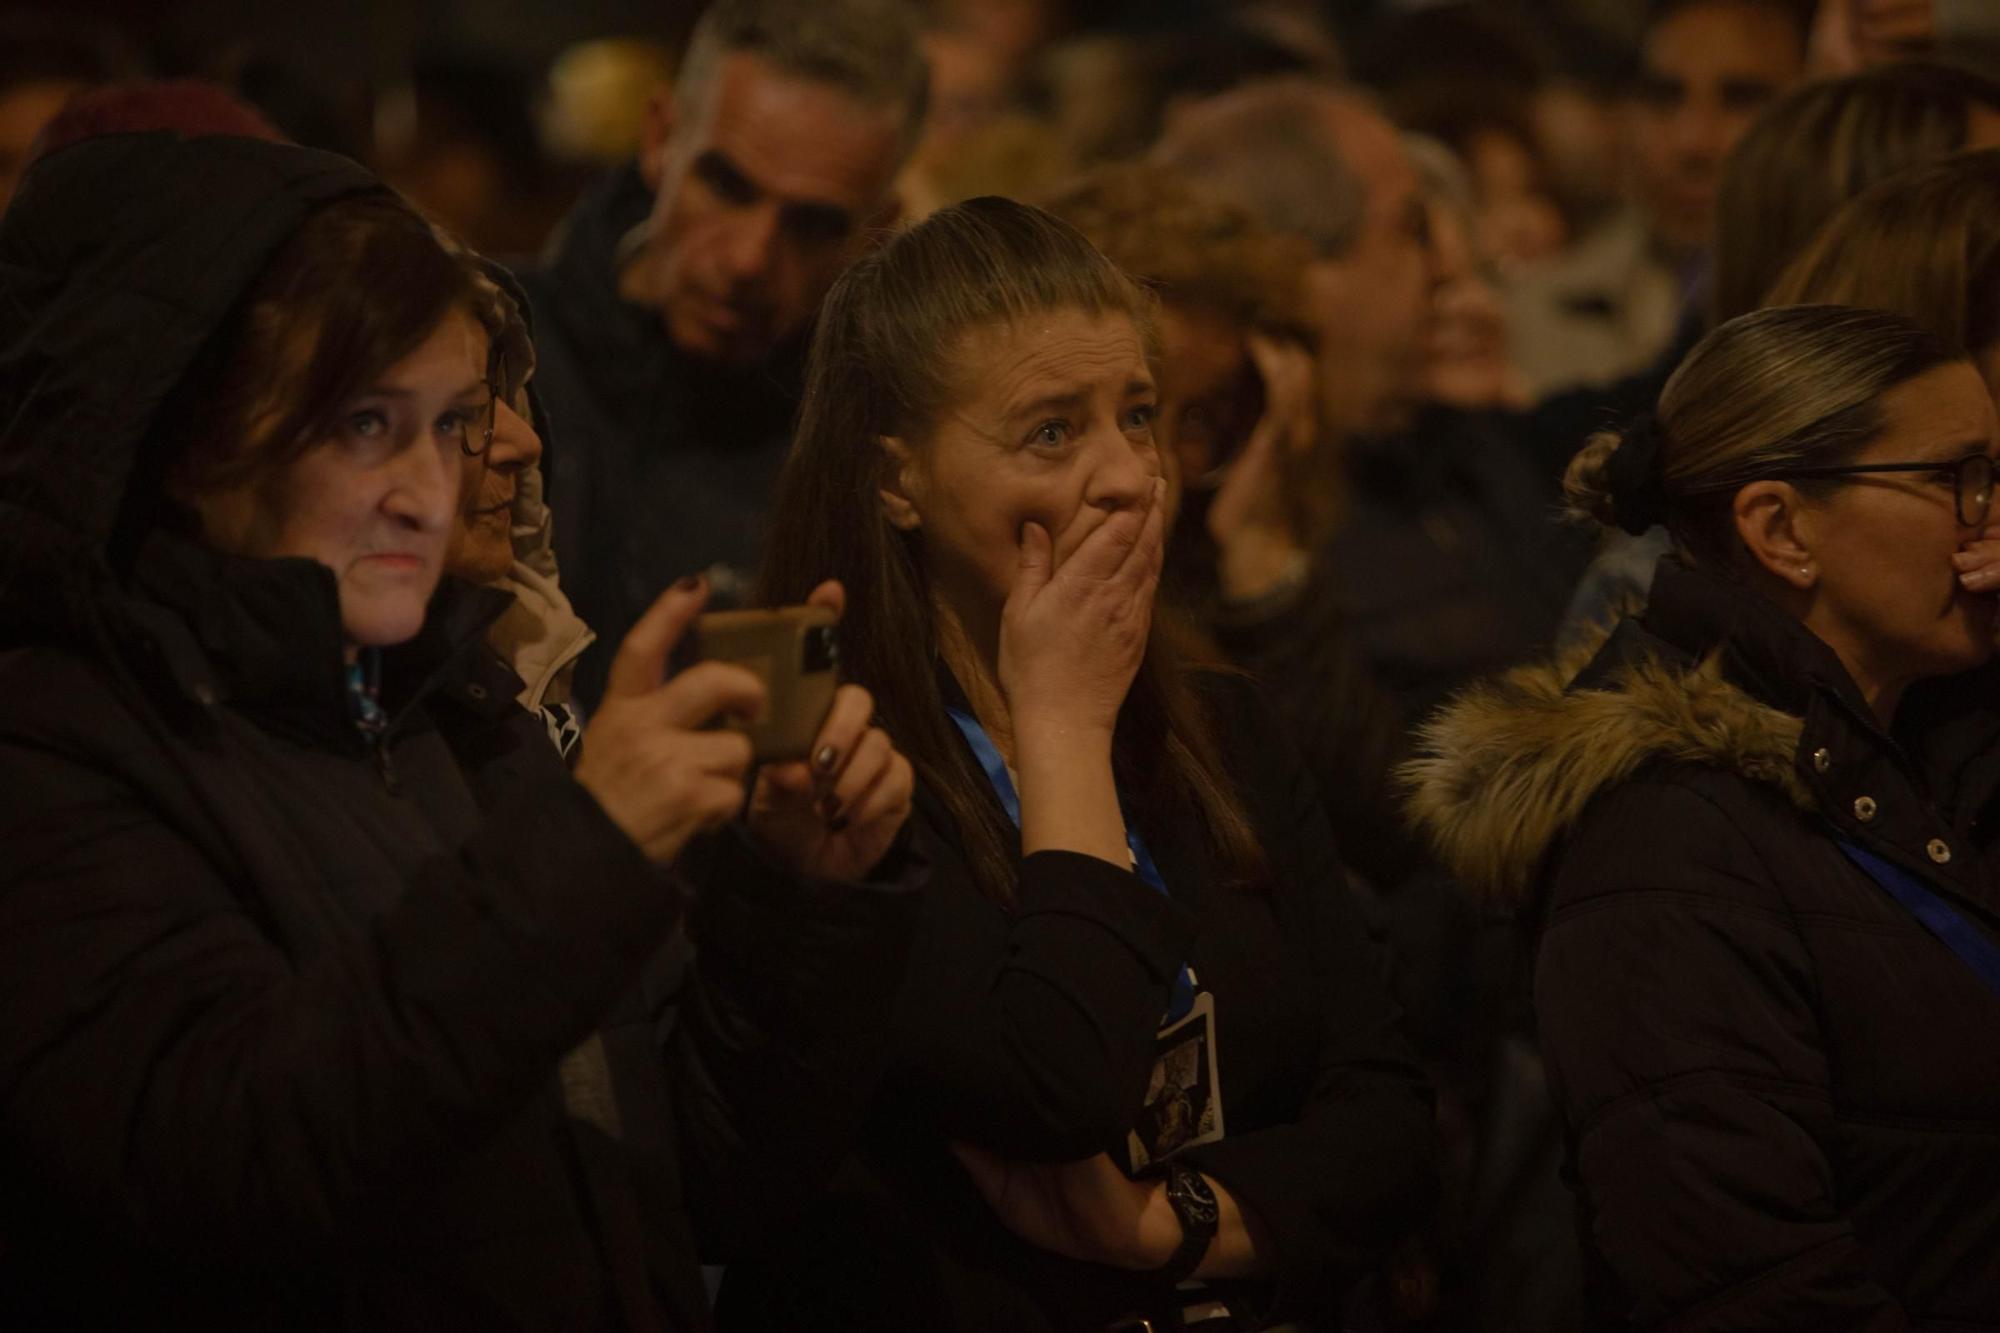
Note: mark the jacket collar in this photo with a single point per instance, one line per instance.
(264, 636)
(582, 262)
(1715, 676)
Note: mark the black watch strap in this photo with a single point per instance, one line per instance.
(1193, 1203)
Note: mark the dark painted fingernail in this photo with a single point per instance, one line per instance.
(837, 825)
(823, 761)
(689, 584)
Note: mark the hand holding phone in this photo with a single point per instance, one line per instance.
(833, 811)
(648, 757)
(793, 650)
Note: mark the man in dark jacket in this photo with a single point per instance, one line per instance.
(673, 309)
(281, 1009)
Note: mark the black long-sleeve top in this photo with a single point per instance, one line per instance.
(1030, 1032)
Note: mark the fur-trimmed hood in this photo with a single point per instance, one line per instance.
(1504, 771)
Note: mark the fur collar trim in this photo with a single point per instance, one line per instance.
(1505, 770)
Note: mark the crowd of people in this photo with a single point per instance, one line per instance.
(1418, 737)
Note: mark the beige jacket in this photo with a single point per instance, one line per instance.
(540, 636)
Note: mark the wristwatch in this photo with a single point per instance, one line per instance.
(1193, 1203)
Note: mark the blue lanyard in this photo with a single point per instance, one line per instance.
(1142, 860)
(1959, 935)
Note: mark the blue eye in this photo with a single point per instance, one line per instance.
(368, 425)
(1141, 417)
(1050, 434)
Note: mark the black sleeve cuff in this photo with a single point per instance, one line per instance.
(1158, 930)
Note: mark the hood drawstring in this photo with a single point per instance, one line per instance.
(364, 694)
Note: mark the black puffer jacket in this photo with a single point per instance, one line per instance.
(281, 1011)
(1782, 1092)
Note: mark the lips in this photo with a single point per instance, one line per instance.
(400, 561)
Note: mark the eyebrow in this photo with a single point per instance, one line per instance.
(721, 172)
(1071, 398)
(397, 391)
(1051, 402)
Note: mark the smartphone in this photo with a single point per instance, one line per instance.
(793, 650)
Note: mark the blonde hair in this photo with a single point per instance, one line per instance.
(1779, 388)
(1819, 146)
(1924, 244)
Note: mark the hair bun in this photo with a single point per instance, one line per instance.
(1637, 487)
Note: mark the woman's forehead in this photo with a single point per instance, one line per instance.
(1059, 351)
(456, 349)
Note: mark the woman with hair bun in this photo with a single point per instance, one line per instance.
(1758, 829)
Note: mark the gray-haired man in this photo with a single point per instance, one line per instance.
(674, 305)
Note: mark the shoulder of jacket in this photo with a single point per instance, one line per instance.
(1506, 770)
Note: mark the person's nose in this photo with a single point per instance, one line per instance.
(424, 486)
(515, 443)
(1123, 472)
(750, 244)
(1697, 132)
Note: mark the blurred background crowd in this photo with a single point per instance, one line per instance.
(493, 114)
(1459, 237)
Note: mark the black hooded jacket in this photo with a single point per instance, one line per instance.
(281, 1009)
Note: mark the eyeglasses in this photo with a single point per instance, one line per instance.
(497, 387)
(476, 437)
(1971, 481)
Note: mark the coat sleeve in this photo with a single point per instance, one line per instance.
(1680, 1023)
(180, 1080)
(1350, 730)
(1356, 1172)
(777, 1038)
(1030, 1032)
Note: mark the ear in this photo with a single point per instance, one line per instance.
(1776, 527)
(900, 486)
(655, 135)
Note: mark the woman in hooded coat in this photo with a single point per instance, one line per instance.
(1758, 831)
(328, 997)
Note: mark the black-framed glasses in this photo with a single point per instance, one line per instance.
(475, 436)
(496, 387)
(1971, 481)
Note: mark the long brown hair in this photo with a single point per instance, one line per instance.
(1924, 244)
(1818, 147)
(882, 364)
